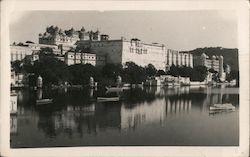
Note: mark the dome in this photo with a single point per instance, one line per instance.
(203, 55)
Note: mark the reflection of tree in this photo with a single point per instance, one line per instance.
(46, 124)
(108, 115)
(137, 95)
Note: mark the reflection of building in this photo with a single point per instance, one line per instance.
(13, 124)
(143, 114)
(178, 105)
(13, 103)
(179, 58)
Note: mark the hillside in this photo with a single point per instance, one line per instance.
(230, 55)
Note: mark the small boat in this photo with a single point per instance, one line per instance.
(44, 101)
(114, 89)
(103, 99)
(222, 107)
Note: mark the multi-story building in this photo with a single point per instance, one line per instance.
(122, 51)
(215, 63)
(56, 36)
(177, 58)
(210, 63)
(37, 47)
(84, 58)
(19, 52)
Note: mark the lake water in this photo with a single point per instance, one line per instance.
(144, 116)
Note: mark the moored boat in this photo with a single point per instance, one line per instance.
(222, 107)
(114, 89)
(44, 101)
(103, 99)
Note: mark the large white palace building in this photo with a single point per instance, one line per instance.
(102, 50)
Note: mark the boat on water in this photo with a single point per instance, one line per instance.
(222, 107)
(104, 99)
(44, 101)
(114, 89)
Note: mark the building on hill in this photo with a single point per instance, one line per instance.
(55, 36)
(210, 63)
(67, 38)
(215, 63)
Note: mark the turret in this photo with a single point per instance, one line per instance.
(39, 82)
(221, 70)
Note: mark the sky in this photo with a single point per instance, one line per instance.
(179, 30)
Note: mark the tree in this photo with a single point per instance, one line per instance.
(70, 32)
(20, 44)
(234, 75)
(52, 30)
(81, 73)
(150, 70)
(30, 42)
(199, 73)
(133, 73)
(52, 70)
(212, 70)
(160, 72)
(46, 51)
(17, 66)
(111, 70)
(174, 71)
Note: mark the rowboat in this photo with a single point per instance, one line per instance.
(114, 89)
(44, 101)
(103, 99)
(222, 107)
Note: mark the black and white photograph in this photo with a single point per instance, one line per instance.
(91, 78)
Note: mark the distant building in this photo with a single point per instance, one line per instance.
(210, 63)
(215, 62)
(37, 47)
(178, 58)
(17, 79)
(84, 58)
(13, 103)
(56, 36)
(19, 52)
(31, 50)
(59, 38)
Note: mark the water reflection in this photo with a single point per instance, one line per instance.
(75, 113)
(13, 124)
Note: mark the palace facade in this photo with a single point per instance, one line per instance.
(178, 58)
(73, 46)
(122, 51)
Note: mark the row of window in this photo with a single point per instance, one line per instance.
(79, 57)
(138, 51)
